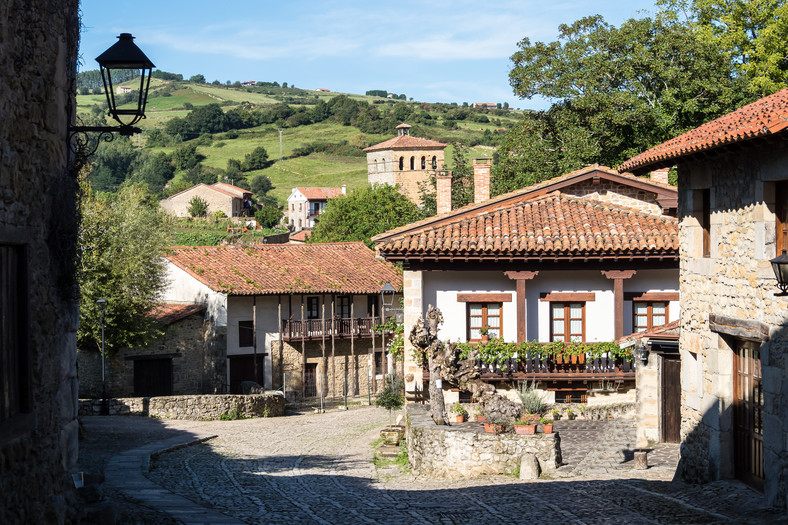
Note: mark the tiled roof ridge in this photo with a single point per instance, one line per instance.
(408, 141)
(210, 186)
(765, 116)
(515, 194)
(651, 332)
(232, 186)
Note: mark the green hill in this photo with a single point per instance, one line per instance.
(321, 135)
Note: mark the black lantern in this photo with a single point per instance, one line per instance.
(641, 351)
(388, 292)
(125, 55)
(780, 267)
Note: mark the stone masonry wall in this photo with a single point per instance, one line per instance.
(386, 170)
(613, 193)
(190, 407)
(199, 366)
(39, 442)
(735, 281)
(458, 451)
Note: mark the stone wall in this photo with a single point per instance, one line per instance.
(462, 451)
(190, 407)
(198, 365)
(614, 193)
(735, 281)
(38, 220)
(383, 168)
(288, 362)
(178, 205)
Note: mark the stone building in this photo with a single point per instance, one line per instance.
(188, 358)
(733, 212)
(305, 204)
(404, 160)
(298, 316)
(226, 198)
(588, 256)
(38, 294)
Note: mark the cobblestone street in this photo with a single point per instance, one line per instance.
(317, 468)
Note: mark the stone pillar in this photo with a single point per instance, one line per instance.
(481, 179)
(647, 382)
(520, 278)
(618, 277)
(413, 309)
(443, 191)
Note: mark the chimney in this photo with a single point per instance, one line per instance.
(481, 179)
(443, 191)
(344, 189)
(660, 175)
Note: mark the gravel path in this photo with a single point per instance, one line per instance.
(317, 468)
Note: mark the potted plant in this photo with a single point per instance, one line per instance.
(391, 398)
(496, 424)
(460, 412)
(480, 417)
(570, 414)
(484, 331)
(547, 425)
(524, 426)
(556, 415)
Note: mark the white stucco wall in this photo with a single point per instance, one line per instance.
(183, 288)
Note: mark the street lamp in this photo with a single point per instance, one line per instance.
(641, 351)
(102, 305)
(122, 55)
(780, 267)
(387, 293)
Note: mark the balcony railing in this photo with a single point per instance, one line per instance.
(566, 368)
(310, 329)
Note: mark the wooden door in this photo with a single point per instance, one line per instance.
(152, 377)
(671, 400)
(310, 380)
(748, 415)
(242, 369)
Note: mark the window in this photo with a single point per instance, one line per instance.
(401, 163)
(313, 307)
(702, 206)
(481, 315)
(413, 163)
(434, 162)
(343, 306)
(379, 370)
(423, 163)
(781, 215)
(567, 321)
(245, 333)
(648, 315)
(14, 373)
(300, 206)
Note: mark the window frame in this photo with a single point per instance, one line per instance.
(649, 315)
(567, 319)
(485, 317)
(338, 306)
(313, 301)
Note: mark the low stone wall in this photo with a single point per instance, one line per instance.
(190, 407)
(466, 450)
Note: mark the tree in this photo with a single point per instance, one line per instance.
(256, 160)
(113, 163)
(260, 185)
(185, 157)
(618, 91)
(364, 213)
(753, 34)
(198, 207)
(461, 183)
(121, 239)
(154, 171)
(268, 216)
(198, 79)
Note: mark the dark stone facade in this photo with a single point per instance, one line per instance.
(38, 221)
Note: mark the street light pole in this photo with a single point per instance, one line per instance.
(102, 304)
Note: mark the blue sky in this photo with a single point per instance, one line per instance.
(436, 51)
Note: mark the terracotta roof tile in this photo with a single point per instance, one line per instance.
(300, 236)
(404, 142)
(313, 193)
(668, 331)
(229, 188)
(168, 313)
(287, 268)
(554, 226)
(763, 117)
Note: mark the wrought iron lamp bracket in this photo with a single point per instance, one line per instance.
(83, 143)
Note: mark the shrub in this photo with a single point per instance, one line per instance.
(532, 400)
(268, 216)
(390, 397)
(198, 207)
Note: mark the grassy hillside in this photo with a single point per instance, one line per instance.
(168, 100)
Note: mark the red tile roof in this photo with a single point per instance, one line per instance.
(287, 268)
(668, 331)
(763, 117)
(554, 226)
(405, 142)
(664, 191)
(319, 194)
(229, 188)
(300, 236)
(168, 313)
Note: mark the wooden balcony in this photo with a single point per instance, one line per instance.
(341, 328)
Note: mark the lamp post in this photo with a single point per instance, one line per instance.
(102, 304)
(780, 267)
(122, 55)
(387, 298)
(641, 351)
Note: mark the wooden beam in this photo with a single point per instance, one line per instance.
(484, 297)
(741, 328)
(618, 277)
(567, 297)
(651, 296)
(520, 278)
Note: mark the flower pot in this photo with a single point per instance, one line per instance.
(571, 417)
(460, 418)
(493, 428)
(547, 429)
(525, 429)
